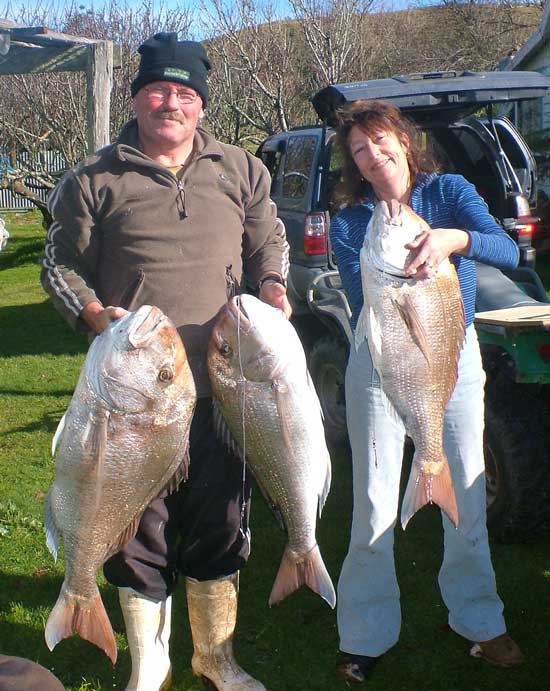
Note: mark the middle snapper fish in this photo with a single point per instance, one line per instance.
(262, 387)
(415, 331)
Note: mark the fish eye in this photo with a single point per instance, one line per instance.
(166, 374)
(225, 348)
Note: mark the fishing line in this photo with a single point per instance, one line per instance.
(243, 380)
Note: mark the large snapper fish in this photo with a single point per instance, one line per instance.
(261, 384)
(122, 440)
(415, 331)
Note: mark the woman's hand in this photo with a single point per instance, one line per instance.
(433, 247)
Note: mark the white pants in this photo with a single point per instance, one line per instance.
(369, 612)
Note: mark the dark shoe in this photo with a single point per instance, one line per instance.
(501, 651)
(354, 668)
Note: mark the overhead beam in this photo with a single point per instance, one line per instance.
(33, 50)
(29, 59)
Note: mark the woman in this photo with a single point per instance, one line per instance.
(382, 161)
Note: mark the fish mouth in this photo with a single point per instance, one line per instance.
(392, 212)
(237, 311)
(148, 321)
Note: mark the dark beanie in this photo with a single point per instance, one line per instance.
(165, 59)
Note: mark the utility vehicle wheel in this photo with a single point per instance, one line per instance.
(327, 365)
(517, 460)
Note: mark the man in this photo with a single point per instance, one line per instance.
(169, 216)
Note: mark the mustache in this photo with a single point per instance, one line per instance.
(171, 115)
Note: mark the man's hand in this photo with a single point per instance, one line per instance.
(433, 247)
(275, 295)
(98, 317)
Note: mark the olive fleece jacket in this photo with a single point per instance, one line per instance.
(127, 232)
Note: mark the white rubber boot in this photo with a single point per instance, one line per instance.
(148, 631)
(212, 607)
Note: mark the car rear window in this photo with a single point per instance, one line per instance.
(298, 164)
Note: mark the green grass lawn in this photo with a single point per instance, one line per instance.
(290, 647)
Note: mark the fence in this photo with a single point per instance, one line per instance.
(49, 161)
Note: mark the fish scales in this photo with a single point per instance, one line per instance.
(263, 432)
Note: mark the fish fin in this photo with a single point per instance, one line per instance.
(58, 433)
(362, 327)
(91, 623)
(50, 526)
(282, 398)
(326, 486)
(94, 436)
(180, 475)
(182, 470)
(406, 308)
(94, 447)
(124, 538)
(274, 508)
(307, 570)
(223, 432)
(311, 387)
(426, 488)
(374, 336)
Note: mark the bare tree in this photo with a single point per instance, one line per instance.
(333, 32)
(485, 31)
(257, 65)
(46, 112)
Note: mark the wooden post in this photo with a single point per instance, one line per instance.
(99, 83)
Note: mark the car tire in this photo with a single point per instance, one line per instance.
(327, 366)
(517, 462)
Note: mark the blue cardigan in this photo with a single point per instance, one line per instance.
(443, 201)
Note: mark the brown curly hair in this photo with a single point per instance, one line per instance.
(372, 116)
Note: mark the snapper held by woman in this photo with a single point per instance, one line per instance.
(415, 329)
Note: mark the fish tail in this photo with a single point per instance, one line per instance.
(91, 622)
(297, 570)
(426, 488)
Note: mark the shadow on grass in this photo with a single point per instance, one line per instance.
(21, 252)
(47, 423)
(61, 393)
(74, 659)
(37, 329)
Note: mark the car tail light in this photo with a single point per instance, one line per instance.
(543, 350)
(526, 225)
(315, 234)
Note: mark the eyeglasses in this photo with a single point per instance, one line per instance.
(162, 93)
